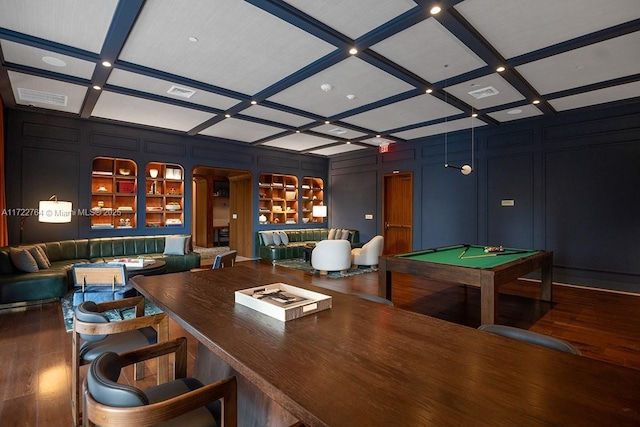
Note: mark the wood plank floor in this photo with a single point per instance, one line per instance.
(35, 350)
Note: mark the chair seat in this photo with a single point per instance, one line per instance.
(118, 343)
(204, 416)
(101, 294)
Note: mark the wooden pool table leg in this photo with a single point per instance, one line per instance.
(488, 302)
(547, 282)
(384, 279)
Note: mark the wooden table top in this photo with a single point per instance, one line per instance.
(366, 364)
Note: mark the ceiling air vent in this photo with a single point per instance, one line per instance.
(338, 131)
(30, 95)
(484, 92)
(181, 91)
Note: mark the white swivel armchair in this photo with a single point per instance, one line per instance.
(369, 253)
(331, 255)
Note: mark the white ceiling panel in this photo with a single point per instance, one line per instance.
(602, 61)
(516, 27)
(445, 127)
(418, 109)
(517, 113)
(601, 96)
(240, 130)
(125, 108)
(353, 19)
(240, 47)
(298, 142)
(82, 25)
(352, 76)
(430, 51)
(160, 87)
(45, 60)
(483, 86)
(338, 149)
(274, 115)
(48, 91)
(338, 132)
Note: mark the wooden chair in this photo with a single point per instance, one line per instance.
(92, 327)
(181, 402)
(227, 259)
(99, 282)
(530, 337)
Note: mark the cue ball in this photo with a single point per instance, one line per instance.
(466, 170)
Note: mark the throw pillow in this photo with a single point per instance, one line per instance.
(338, 234)
(284, 238)
(23, 260)
(187, 244)
(267, 237)
(44, 255)
(174, 245)
(37, 256)
(345, 235)
(332, 234)
(276, 238)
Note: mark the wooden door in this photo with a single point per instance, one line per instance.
(397, 209)
(241, 205)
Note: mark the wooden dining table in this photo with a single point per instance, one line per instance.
(361, 363)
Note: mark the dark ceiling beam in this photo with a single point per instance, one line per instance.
(123, 19)
(453, 21)
(48, 45)
(25, 69)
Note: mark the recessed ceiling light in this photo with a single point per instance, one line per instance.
(326, 87)
(536, 101)
(326, 122)
(227, 115)
(378, 136)
(500, 69)
(474, 115)
(348, 142)
(353, 51)
(106, 64)
(297, 131)
(515, 111)
(96, 87)
(56, 62)
(254, 102)
(429, 90)
(193, 39)
(435, 10)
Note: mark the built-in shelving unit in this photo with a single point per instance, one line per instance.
(113, 193)
(311, 194)
(278, 196)
(164, 189)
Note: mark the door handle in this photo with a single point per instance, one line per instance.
(386, 225)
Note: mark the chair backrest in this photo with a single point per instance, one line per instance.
(88, 312)
(375, 298)
(99, 274)
(102, 383)
(227, 259)
(530, 337)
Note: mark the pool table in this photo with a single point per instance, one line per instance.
(473, 267)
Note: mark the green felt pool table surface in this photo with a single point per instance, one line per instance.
(474, 256)
(472, 267)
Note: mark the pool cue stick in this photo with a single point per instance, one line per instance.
(466, 248)
(497, 254)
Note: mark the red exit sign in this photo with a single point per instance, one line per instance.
(383, 148)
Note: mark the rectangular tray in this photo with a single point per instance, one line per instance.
(303, 302)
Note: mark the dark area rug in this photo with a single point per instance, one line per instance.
(301, 264)
(66, 303)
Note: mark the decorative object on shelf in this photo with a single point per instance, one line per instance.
(262, 219)
(113, 184)
(124, 171)
(102, 189)
(126, 187)
(54, 211)
(165, 195)
(153, 173)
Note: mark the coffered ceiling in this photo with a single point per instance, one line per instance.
(280, 73)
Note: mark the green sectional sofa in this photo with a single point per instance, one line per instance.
(297, 239)
(17, 286)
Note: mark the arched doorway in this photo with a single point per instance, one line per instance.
(222, 208)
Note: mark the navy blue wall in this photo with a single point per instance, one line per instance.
(574, 177)
(52, 154)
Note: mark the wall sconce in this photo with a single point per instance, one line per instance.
(319, 212)
(54, 211)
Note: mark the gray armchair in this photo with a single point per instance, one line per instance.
(530, 337)
(93, 335)
(181, 402)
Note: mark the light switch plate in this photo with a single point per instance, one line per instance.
(507, 202)
(368, 216)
